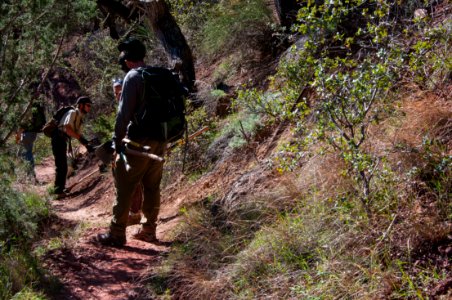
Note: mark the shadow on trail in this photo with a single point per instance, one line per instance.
(97, 268)
(127, 248)
(87, 188)
(90, 200)
(54, 226)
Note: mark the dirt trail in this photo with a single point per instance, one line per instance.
(86, 269)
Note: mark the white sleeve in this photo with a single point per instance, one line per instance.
(68, 119)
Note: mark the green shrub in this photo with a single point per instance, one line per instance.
(191, 15)
(20, 214)
(273, 104)
(103, 126)
(231, 23)
(19, 271)
(430, 61)
(241, 127)
(42, 148)
(436, 173)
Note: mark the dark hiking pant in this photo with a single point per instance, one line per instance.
(59, 149)
(27, 141)
(149, 173)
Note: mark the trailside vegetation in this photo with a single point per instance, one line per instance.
(21, 214)
(346, 220)
(356, 190)
(32, 33)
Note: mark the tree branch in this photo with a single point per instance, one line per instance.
(30, 104)
(166, 30)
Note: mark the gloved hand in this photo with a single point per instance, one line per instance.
(120, 148)
(83, 141)
(89, 148)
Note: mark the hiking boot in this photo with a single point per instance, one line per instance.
(59, 196)
(134, 218)
(107, 239)
(148, 237)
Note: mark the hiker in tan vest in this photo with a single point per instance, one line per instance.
(70, 126)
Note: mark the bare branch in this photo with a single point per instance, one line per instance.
(30, 104)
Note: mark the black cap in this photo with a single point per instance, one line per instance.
(83, 100)
(133, 49)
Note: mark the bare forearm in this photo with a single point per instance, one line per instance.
(70, 132)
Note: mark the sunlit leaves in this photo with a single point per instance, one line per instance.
(30, 33)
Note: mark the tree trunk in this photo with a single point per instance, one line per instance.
(168, 32)
(286, 11)
(165, 28)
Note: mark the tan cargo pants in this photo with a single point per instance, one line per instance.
(149, 173)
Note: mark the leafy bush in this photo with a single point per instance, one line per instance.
(42, 148)
(242, 127)
(191, 15)
(104, 126)
(430, 61)
(348, 68)
(31, 32)
(434, 172)
(20, 214)
(230, 23)
(19, 271)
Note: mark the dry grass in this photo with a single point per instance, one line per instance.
(304, 234)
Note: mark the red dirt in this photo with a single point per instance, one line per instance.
(86, 269)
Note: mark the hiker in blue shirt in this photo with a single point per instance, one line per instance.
(137, 198)
(142, 169)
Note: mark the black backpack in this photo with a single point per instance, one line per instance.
(161, 115)
(50, 127)
(37, 119)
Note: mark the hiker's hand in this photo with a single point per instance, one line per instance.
(83, 141)
(120, 148)
(89, 148)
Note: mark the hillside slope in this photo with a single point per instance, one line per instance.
(89, 271)
(315, 194)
